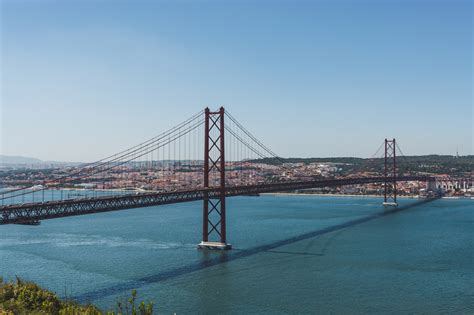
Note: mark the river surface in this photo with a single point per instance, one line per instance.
(292, 254)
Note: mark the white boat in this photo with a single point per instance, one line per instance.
(37, 187)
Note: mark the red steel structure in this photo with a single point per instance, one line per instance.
(24, 213)
(390, 173)
(214, 220)
(212, 189)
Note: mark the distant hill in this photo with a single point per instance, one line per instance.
(432, 164)
(9, 159)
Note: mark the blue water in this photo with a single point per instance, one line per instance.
(292, 254)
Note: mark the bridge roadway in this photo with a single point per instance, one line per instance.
(31, 212)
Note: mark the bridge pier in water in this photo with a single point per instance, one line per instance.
(214, 216)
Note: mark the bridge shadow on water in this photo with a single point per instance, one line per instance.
(235, 254)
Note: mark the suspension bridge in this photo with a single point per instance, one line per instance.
(210, 156)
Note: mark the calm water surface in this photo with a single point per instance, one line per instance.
(292, 254)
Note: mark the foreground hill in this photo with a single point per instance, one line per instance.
(22, 297)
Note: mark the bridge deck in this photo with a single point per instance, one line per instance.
(23, 213)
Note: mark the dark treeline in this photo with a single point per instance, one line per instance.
(433, 164)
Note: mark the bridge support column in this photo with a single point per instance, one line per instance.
(214, 216)
(390, 174)
(431, 186)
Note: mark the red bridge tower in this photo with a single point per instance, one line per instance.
(214, 223)
(390, 174)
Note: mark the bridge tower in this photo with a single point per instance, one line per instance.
(214, 216)
(390, 174)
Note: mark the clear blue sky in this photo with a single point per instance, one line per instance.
(84, 79)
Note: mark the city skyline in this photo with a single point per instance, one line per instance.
(82, 80)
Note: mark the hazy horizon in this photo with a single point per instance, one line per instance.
(2, 156)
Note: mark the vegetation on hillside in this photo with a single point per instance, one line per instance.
(23, 297)
(432, 164)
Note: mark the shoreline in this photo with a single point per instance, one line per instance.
(358, 196)
(332, 195)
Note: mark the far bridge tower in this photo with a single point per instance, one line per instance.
(390, 173)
